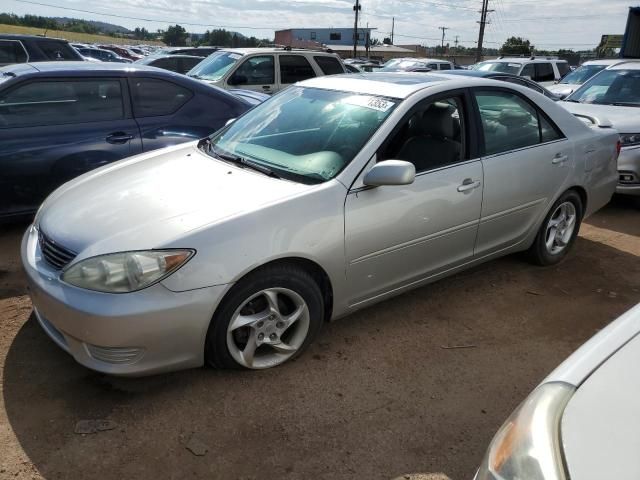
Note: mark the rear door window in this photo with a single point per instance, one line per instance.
(445, 66)
(168, 63)
(294, 68)
(61, 102)
(153, 97)
(57, 50)
(563, 68)
(528, 71)
(258, 70)
(329, 65)
(12, 51)
(544, 72)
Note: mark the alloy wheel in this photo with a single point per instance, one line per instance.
(560, 228)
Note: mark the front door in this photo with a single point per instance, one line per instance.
(396, 236)
(54, 130)
(255, 73)
(526, 161)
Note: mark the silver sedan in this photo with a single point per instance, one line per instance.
(337, 193)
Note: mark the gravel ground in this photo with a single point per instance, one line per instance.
(376, 397)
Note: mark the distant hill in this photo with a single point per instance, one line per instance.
(103, 27)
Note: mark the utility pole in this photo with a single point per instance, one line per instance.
(483, 21)
(443, 30)
(456, 42)
(393, 25)
(356, 8)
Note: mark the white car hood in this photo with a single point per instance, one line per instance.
(601, 422)
(153, 199)
(623, 119)
(563, 88)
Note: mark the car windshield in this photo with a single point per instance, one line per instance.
(402, 66)
(582, 74)
(502, 67)
(610, 87)
(215, 66)
(304, 134)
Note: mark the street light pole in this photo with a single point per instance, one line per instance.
(356, 8)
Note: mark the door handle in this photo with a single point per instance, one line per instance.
(266, 88)
(119, 137)
(559, 159)
(468, 185)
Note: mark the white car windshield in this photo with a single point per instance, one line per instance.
(502, 67)
(610, 87)
(215, 66)
(303, 134)
(403, 65)
(582, 74)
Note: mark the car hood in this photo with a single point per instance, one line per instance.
(623, 119)
(601, 420)
(151, 200)
(563, 88)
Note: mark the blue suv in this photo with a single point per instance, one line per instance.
(61, 119)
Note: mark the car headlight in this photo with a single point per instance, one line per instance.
(629, 139)
(127, 271)
(527, 446)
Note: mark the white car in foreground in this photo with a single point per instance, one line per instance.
(583, 420)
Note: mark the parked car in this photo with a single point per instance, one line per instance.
(543, 70)
(506, 77)
(582, 421)
(201, 51)
(336, 193)
(411, 64)
(31, 48)
(572, 81)
(614, 95)
(266, 70)
(175, 63)
(102, 55)
(58, 121)
(352, 68)
(122, 52)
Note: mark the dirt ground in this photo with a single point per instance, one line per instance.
(377, 396)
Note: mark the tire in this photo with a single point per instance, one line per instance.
(276, 311)
(546, 251)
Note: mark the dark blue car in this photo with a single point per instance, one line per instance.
(59, 120)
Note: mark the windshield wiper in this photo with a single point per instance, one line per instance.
(570, 100)
(243, 162)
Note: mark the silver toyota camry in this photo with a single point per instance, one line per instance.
(337, 193)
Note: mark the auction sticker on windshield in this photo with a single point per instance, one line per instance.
(374, 103)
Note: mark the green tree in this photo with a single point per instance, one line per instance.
(517, 46)
(175, 36)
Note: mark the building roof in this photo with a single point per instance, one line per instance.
(373, 49)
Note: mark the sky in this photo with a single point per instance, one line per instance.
(548, 24)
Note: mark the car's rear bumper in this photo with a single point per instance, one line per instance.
(150, 331)
(629, 171)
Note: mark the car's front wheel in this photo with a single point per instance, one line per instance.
(558, 230)
(266, 319)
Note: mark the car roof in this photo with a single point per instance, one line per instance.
(18, 36)
(386, 84)
(524, 60)
(74, 67)
(605, 61)
(249, 51)
(627, 65)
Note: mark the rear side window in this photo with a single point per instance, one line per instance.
(544, 72)
(295, 68)
(153, 97)
(61, 102)
(528, 71)
(329, 65)
(168, 63)
(509, 122)
(11, 51)
(445, 66)
(563, 68)
(57, 50)
(186, 64)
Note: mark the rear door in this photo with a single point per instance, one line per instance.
(526, 161)
(53, 130)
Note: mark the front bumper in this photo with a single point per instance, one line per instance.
(150, 331)
(629, 171)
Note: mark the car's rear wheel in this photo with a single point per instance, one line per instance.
(266, 319)
(558, 230)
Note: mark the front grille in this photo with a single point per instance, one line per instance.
(115, 355)
(55, 255)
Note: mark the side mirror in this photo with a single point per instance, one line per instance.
(390, 172)
(237, 80)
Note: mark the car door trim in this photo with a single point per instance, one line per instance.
(515, 209)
